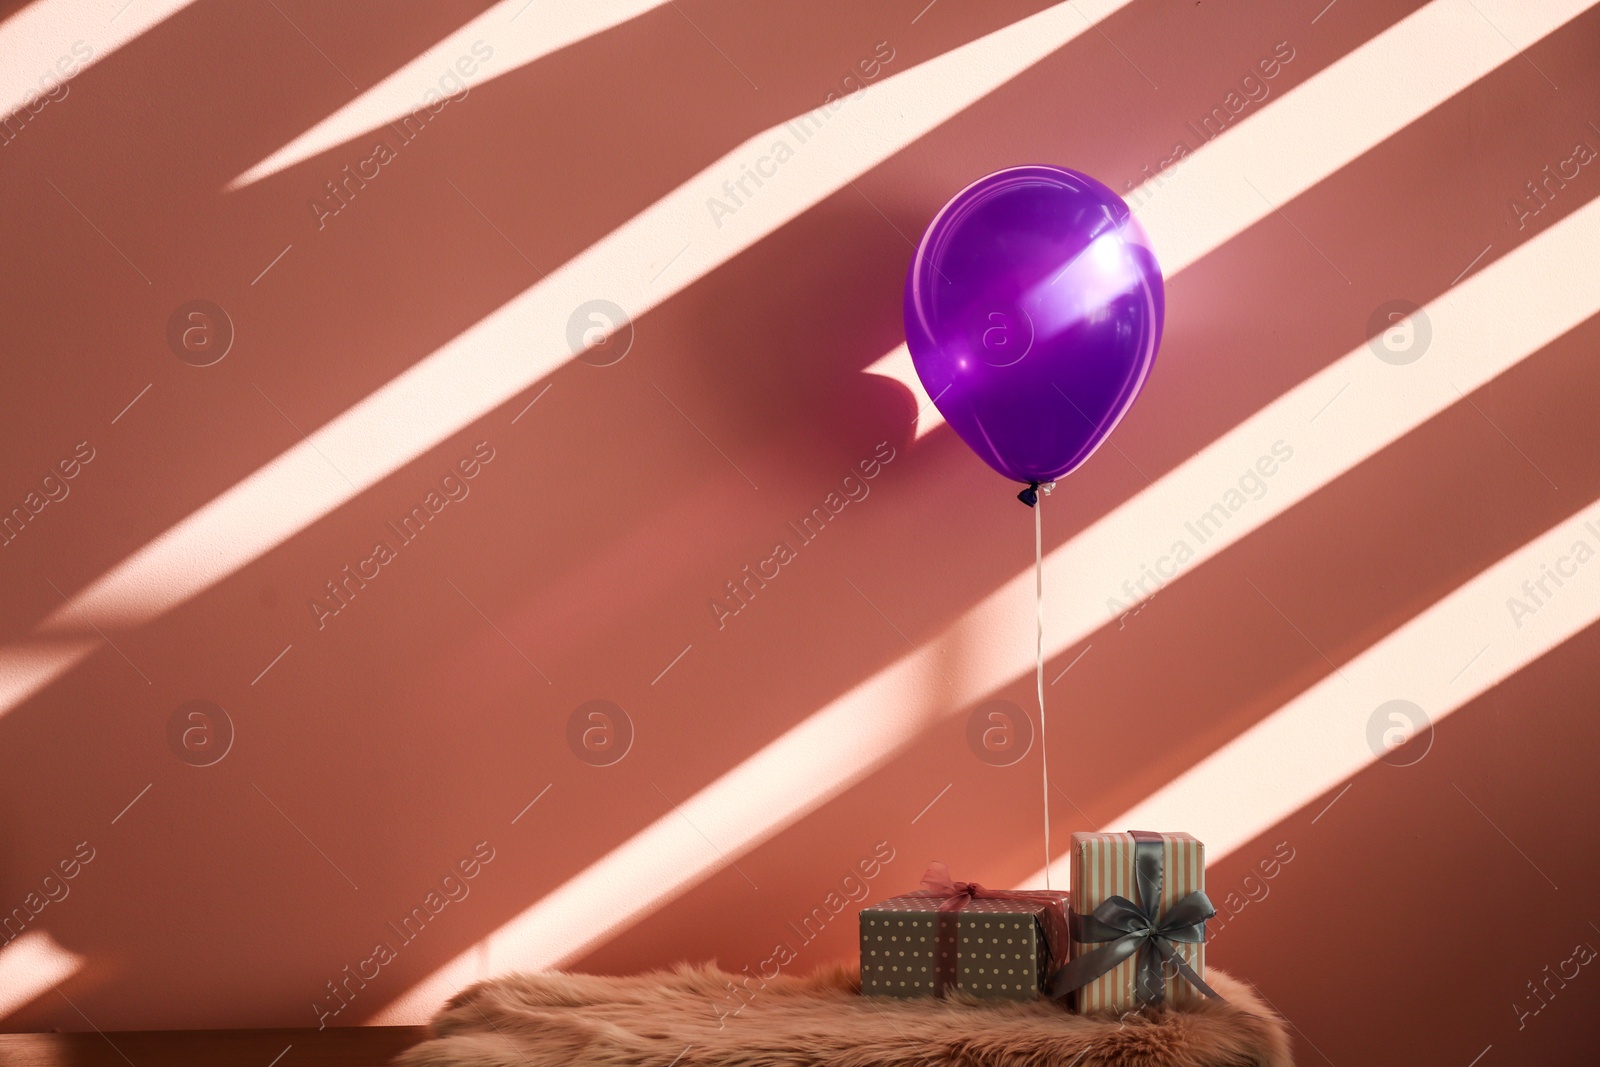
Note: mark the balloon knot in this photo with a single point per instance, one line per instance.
(1030, 495)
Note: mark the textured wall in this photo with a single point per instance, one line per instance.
(360, 639)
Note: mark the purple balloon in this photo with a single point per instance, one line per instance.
(1033, 313)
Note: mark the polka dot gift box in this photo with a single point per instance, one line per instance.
(994, 944)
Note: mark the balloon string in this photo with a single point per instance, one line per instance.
(1038, 586)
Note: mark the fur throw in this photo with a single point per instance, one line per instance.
(698, 1017)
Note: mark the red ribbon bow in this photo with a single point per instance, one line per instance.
(959, 894)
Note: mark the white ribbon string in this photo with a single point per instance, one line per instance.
(1038, 584)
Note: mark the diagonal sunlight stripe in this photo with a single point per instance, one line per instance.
(515, 34)
(1320, 738)
(30, 966)
(523, 341)
(1489, 323)
(1273, 155)
(49, 41)
(27, 666)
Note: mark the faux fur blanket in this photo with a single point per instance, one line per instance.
(703, 1017)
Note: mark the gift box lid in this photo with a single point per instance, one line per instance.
(927, 900)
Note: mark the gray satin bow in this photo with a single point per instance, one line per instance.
(1124, 928)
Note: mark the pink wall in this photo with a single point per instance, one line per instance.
(391, 739)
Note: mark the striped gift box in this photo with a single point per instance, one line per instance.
(1102, 867)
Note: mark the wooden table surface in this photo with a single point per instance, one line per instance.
(344, 1046)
